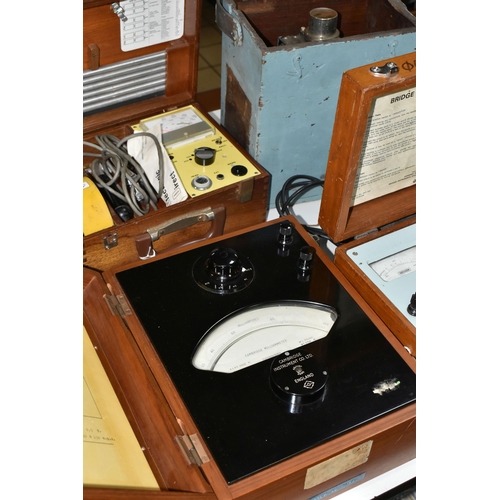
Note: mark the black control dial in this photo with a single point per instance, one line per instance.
(298, 378)
(223, 264)
(239, 170)
(223, 271)
(204, 156)
(412, 306)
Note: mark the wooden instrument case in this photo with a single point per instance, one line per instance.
(347, 224)
(160, 419)
(235, 206)
(163, 426)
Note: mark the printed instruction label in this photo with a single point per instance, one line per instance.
(150, 22)
(388, 160)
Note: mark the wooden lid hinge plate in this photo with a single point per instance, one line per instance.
(118, 305)
(192, 449)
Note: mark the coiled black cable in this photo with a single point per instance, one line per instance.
(284, 200)
(115, 171)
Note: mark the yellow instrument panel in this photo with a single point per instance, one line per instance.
(203, 157)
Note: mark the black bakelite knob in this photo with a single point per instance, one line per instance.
(412, 306)
(223, 271)
(298, 378)
(204, 156)
(223, 264)
(285, 233)
(239, 170)
(305, 258)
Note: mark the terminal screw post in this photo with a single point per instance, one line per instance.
(119, 11)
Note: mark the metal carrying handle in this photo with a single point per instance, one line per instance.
(388, 69)
(144, 242)
(228, 24)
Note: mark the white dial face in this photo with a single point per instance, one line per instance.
(179, 127)
(261, 332)
(179, 120)
(396, 265)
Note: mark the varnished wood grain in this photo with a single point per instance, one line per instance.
(143, 402)
(358, 89)
(340, 220)
(393, 434)
(143, 387)
(239, 214)
(102, 29)
(119, 494)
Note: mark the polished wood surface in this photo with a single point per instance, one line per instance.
(142, 400)
(337, 217)
(116, 494)
(245, 202)
(101, 29)
(245, 205)
(154, 408)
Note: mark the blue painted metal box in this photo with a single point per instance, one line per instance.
(279, 89)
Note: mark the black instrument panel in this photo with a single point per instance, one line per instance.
(251, 419)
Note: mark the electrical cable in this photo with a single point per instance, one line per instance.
(120, 174)
(284, 200)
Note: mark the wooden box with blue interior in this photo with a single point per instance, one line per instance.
(158, 170)
(368, 206)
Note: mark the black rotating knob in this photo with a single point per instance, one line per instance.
(223, 264)
(412, 306)
(298, 378)
(223, 271)
(204, 156)
(285, 239)
(285, 233)
(304, 263)
(305, 257)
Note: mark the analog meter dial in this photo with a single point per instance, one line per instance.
(253, 334)
(179, 127)
(396, 265)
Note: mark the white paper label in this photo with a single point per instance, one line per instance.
(150, 22)
(388, 161)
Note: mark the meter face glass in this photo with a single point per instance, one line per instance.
(389, 262)
(178, 127)
(256, 333)
(179, 120)
(396, 265)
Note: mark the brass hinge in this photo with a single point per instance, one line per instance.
(192, 449)
(118, 305)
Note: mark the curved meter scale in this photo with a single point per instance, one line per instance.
(256, 333)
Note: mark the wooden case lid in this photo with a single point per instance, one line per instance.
(102, 47)
(143, 403)
(367, 98)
